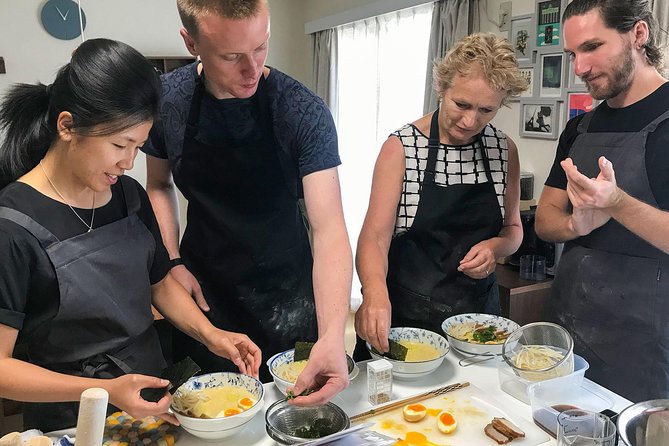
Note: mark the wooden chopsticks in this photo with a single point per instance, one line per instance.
(409, 400)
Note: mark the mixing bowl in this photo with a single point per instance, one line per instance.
(645, 424)
(285, 423)
(526, 351)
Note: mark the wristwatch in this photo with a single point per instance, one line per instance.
(176, 262)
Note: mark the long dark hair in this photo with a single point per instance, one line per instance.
(108, 87)
(622, 15)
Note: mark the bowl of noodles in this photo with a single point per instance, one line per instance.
(217, 405)
(285, 370)
(540, 351)
(425, 351)
(478, 333)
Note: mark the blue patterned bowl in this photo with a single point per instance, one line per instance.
(415, 369)
(472, 348)
(215, 428)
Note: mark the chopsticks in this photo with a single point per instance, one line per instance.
(409, 400)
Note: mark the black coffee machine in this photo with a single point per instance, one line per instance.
(533, 245)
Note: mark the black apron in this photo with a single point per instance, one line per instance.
(103, 328)
(424, 284)
(245, 240)
(611, 288)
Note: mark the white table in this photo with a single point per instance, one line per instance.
(354, 399)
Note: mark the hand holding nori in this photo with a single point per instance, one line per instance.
(176, 374)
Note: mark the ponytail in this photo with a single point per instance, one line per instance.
(24, 118)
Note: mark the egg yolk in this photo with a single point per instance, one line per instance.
(232, 411)
(446, 422)
(414, 412)
(414, 439)
(245, 403)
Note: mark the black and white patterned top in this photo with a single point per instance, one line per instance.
(455, 165)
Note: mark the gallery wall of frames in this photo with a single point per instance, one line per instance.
(555, 95)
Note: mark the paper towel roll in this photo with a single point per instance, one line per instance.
(92, 415)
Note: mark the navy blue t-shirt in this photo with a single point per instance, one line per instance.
(302, 124)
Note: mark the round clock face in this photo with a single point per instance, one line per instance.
(60, 18)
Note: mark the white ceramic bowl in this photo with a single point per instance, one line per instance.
(216, 428)
(286, 357)
(415, 369)
(473, 348)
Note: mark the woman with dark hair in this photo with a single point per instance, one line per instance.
(84, 257)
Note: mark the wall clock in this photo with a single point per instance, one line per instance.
(60, 18)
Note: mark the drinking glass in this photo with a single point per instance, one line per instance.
(532, 267)
(578, 427)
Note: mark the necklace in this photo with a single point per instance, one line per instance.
(89, 226)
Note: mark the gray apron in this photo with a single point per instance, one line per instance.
(611, 290)
(103, 328)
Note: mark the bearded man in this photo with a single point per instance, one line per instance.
(611, 290)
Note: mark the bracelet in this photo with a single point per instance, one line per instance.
(176, 262)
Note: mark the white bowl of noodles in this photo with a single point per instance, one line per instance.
(217, 405)
(285, 371)
(478, 333)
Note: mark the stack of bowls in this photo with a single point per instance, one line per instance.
(408, 370)
(543, 335)
(284, 421)
(217, 428)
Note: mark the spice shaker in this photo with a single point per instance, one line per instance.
(379, 381)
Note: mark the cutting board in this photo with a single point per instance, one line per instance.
(472, 409)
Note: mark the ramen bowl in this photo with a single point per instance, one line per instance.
(409, 370)
(221, 427)
(540, 351)
(454, 326)
(289, 424)
(278, 361)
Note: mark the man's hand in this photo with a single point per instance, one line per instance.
(236, 347)
(372, 320)
(592, 193)
(190, 283)
(584, 221)
(326, 372)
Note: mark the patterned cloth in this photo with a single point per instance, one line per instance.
(123, 430)
(455, 165)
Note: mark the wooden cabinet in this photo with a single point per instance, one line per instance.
(165, 64)
(523, 301)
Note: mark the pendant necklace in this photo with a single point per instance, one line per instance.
(89, 226)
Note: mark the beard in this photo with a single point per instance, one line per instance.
(620, 77)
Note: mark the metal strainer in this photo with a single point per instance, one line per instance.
(282, 420)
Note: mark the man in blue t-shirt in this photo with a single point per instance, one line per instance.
(255, 154)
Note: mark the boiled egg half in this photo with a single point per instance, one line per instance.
(245, 403)
(414, 412)
(231, 411)
(446, 422)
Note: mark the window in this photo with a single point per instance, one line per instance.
(382, 63)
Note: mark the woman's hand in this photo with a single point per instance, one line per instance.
(124, 394)
(372, 320)
(237, 347)
(326, 372)
(480, 261)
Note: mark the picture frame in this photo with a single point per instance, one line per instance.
(528, 73)
(577, 103)
(551, 75)
(574, 82)
(521, 36)
(540, 118)
(548, 23)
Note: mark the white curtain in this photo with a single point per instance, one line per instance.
(661, 13)
(325, 67)
(380, 82)
(451, 21)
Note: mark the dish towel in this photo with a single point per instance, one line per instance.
(123, 430)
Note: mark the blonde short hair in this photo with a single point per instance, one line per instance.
(191, 11)
(484, 53)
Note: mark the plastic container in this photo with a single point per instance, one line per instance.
(540, 334)
(519, 387)
(379, 381)
(549, 398)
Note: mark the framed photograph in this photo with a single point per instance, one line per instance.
(579, 102)
(575, 82)
(528, 73)
(551, 82)
(549, 27)
(521, 36)
(539, 118)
